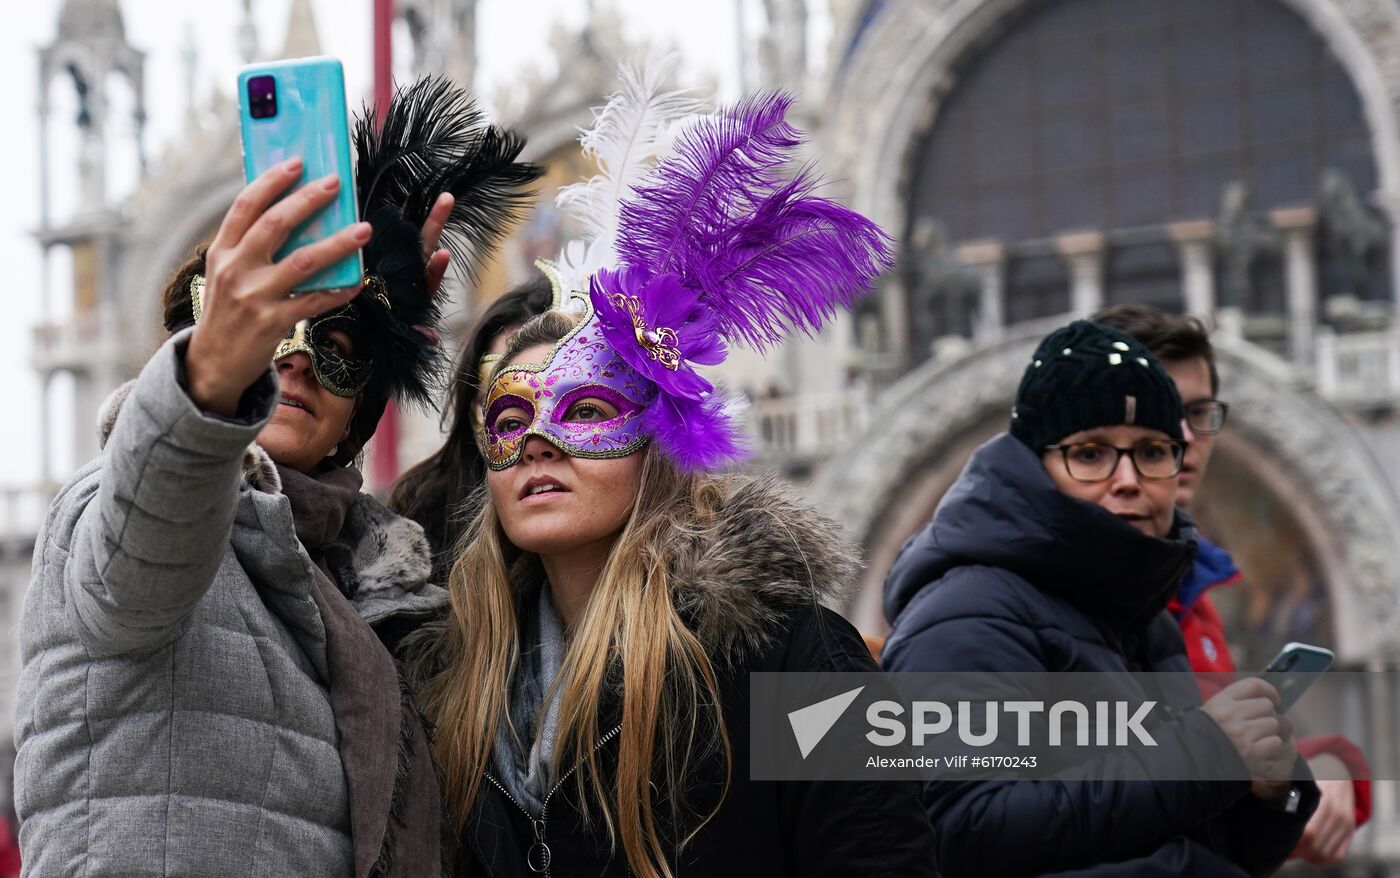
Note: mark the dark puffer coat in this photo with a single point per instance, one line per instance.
(1014, 575)
(747, 587)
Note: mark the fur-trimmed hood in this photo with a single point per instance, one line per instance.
(764, 554)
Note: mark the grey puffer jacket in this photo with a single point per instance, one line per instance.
(173, 712)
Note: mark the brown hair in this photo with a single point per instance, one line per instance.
(176, 303)
(547, 328)
(434, 491)
(629, 640)
(1170, 337)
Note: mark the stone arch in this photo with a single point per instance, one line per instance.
(1294, 445)
(193, 191)
(898, 99)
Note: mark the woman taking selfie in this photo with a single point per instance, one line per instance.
(590, 690)
(203, 691)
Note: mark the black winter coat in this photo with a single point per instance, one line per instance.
(747, 587)
(1014, 575)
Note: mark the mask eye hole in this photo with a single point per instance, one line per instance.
(336, 343)
(510, 421)
(590, 410)
(509, 415)
(594, 404)
(338, 335)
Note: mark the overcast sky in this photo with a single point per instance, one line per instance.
(512, 34)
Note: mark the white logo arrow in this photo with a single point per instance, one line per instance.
(810, 724)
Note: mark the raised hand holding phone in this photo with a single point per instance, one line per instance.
(248, 306)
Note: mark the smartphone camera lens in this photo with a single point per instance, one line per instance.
(262, 97)
(1288, 662)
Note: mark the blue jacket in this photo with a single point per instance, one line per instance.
(1014, 575)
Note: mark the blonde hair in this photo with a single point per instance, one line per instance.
(629, 639)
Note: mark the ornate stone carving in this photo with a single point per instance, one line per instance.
(1308, 441)
(782, 48)
(1242, 237)
(443, 33)
(914, 421)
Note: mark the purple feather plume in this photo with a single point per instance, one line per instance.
(719, 244)
(696, 436)
(765, 253)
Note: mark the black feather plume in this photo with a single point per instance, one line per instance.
(395, 303)
(433, 139)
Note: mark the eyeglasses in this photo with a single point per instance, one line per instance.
(1206, 416)
(1093, 462)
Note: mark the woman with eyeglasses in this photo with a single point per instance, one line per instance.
(1340, 766)
(1057, 550)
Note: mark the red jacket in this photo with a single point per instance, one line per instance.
(9, 849)
(1209, 653)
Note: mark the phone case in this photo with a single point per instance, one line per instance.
(1294, 669)
(311, 122)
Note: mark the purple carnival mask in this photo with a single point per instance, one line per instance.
(544, 400)
(714, 244)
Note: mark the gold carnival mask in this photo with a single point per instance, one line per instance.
(344, 373)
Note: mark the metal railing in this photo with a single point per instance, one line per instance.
(1358, 367)
(82, 339)
(807, 426)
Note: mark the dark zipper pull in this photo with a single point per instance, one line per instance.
(538, 856)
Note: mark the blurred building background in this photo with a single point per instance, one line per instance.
(1035, 160)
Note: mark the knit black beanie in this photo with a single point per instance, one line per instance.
(1087, 375)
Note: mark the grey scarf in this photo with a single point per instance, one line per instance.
(395, 801)
(522, 759)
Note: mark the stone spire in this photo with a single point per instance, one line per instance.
(189, 63)
(90, 46)
(88, 20)
(302, 39)
(248, 34)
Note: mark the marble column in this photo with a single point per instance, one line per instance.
(1084, 251)
(988, 259)
(1325, 375)
(1194, 241)
(46, 475)
(1297, 225)
(1382, 754)
(895, 315)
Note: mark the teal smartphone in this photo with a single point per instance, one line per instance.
(297, 108)
(1294, 669)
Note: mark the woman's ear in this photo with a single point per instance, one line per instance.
(350, 421)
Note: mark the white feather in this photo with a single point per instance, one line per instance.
(634, 129)
(577, 262)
